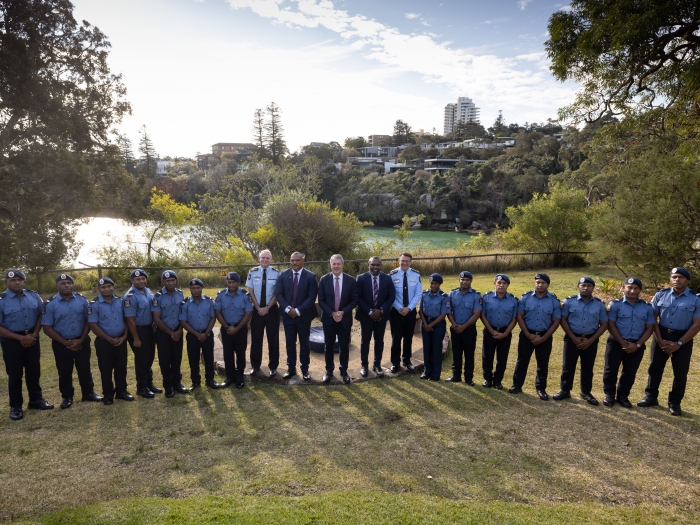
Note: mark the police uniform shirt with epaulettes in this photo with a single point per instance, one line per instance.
(138, 304)
(169, 306)
(499, 311)
(676, 311)
(255, 279)
(67, 317)
(434, 305)
(197, 314)
(108, 316)
(18, 313)
(414, 287)
(584, 316)
(233, 307)
(630, 319)
(539, 312)
(463, 305)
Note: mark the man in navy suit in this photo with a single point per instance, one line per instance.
(376, 294)
(337, 296)
(296, 290)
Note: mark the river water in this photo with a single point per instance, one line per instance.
(103, 231)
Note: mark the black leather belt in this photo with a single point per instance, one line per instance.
(500, 328)
(537, 333)
(144, 326)
(585, 336)
(24, 332)
(669, 331)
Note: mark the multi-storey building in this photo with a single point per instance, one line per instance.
(464, 110)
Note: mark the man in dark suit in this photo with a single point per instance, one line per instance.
(296, 291)
(337, 296)
(376, 294)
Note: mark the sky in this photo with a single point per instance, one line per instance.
(196, 70)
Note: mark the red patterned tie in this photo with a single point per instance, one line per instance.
(375, 289)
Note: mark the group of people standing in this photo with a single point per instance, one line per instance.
(150, 321)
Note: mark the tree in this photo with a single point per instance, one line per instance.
(468, 130)
(258, 130)
(499, 128)
(164, 218)
(58, 105)
(552, 223)
(355, 142)
(149, 157)
(404, 232)
(127, 153)
(274, 133)
(402, 133)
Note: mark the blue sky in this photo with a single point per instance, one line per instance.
(197, 70)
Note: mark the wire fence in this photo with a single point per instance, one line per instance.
(213, 276)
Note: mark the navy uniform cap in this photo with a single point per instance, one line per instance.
(105, 280)
(196, 281)
(138, 273)
(633, 280)
(233, 276)
(64, 277)
(436, 277)
(502, 277)
(678, 269)
(168, 274)
(585, 279)
(542, 276)
(465, 273)
(15, 272)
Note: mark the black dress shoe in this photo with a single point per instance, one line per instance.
(542, 394)
(515, 389)
(126, 396)
(363, 371)
(169, 392)
(16, 413)
(195, 386)
(240, 385)
(182, 389)
(453, 379)
(624, 402)
(469, 382)
(153, 388)
(487, 384)
(254, 370)
(40, 404)
(395, 369)
(273, 372)
(145, 392)
(562, 394)
(378, 370)
(648, 402)
(289, 373)
(306, 376)
(92, 397)
(346, 379)
(424, 376)
(674, 408)
(213, 384)
(226, 383)
(108, 400)
(410, 367)
(434, 378)
(67, 402)
(498, 386)
(327, 377)
(588, 397)
(608, 401)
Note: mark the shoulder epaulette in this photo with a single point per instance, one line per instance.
(157, 294)
(205, 297)
(28, 290)
(221, 291)
(570, 297)
(95, 299)
(183, 302)
(454, 289)
(414, 271)
(393, 271)
(426, 290)
(254, 268)
(597, 298)
(440, 292)
(273, 268)
(475, 291)
(527, 293)
(130, 293)
(555, 296)
(2, 295)
(53, 297)
(643, 301)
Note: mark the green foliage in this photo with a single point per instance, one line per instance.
(555, 222)
(355, 142)
(480, 243)
(297, 222)
(404, 231)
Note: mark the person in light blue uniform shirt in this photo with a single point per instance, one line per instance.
(20, 322)
(678, 312)
(139, 320)
(499, 312)
(434, 307)
(539, 315)
(261, 283)
(197, 316)
(234, 308)
(106, 318)
(403, 312)
(465, 310)
(166, 316)
(630, 323)
(65, 322)
(584, 319)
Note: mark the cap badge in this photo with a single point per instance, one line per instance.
(137, 273)
(582, 280)
(10, 274)
(63, 276)
(167, 275)
(101, 281)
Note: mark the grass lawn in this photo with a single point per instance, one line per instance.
(388, 451)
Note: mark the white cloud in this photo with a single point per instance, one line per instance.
(566, 9)
(523, 4)
(411, 16)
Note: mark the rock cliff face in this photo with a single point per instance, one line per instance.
(382, 199)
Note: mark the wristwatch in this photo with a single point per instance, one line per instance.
(638, 345)
(679, 342)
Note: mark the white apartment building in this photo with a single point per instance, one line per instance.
(464, 110)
